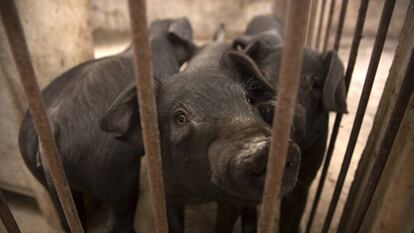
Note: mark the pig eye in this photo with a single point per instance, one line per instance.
(249, 98)
(181, 118)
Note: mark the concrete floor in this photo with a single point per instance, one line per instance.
(30, 220)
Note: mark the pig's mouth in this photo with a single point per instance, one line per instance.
(245, 171)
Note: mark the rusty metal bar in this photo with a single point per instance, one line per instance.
(148, 111)
(279, 8)
(329, 25)
(288, 85)
(365, 164)
(366, 91)
(348, 77)
(382, 153)
(27, 75)
(320, 25)
(311, 22)
(341, 22)
(7, 216)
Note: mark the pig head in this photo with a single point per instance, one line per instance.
(214, 141)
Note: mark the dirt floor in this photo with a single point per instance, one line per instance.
(200, 219)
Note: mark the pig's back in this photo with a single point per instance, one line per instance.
(75, 103)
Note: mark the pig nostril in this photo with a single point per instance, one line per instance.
(290, 164)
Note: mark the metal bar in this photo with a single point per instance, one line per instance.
(329, 25)
(365, 164)
(348, 77)
(311, 22)
(27, 75)
(382, 153)
(7, 216)
(320, 25)
(341, 22)
(279, 8)
(295, 32)
(148, 111)
(366, 91)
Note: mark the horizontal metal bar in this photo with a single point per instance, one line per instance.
(27, 75)
(148, 111)
(366, 91)
(6, 216)
(287, 90)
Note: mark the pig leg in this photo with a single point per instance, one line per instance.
(226, 217)
(121, 212)
(293, 207)
(121, 217)
(80, 207)
(249, 219)
(78, 199)
(175, 215)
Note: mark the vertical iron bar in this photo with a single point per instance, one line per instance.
(341, 22)
(364, 165)
(279, 8)
(320, 25)
(348, 77)
(366, 91)
(148, 111)
(382, 153)
(27, 75)
(7, 216)
(329, 25)
(295, 32)
(311, 22)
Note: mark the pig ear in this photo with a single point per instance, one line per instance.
(334, 91)
(259, 49)
(245, 68)
(120, 114)
(242, 42)
(181, 29)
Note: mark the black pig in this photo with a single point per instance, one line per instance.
(322, 89)
(214, 141)
(96, 162)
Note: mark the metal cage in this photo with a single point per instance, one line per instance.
(301, 28)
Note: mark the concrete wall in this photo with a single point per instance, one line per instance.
(59, 36)
(205, 16)
(112, 15)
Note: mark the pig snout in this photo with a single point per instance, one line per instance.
(251, 161)
(249, 167)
